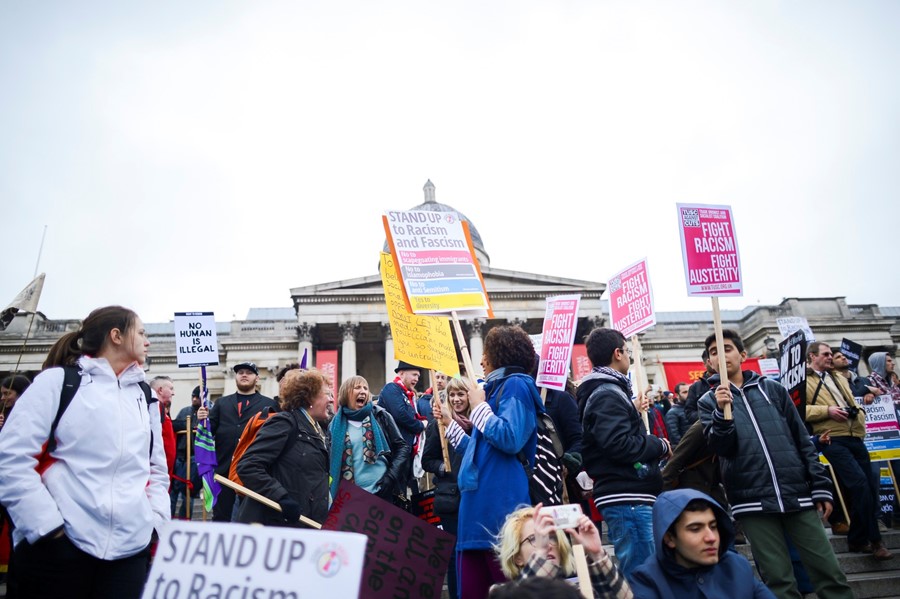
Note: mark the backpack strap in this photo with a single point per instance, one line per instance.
(148, 394)
(71, 382)
(816, 394)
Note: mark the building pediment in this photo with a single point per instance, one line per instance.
(498, 282)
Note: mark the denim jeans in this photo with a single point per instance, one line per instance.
(630, 529)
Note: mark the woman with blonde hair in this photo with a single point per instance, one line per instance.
(529, 544)
(366, 445)
(446, 489)
(288, 460)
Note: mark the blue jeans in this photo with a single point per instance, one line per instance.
(630, 529)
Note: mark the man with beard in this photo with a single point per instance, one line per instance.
(398, 397)
(227, 420)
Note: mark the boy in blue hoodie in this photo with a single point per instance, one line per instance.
(692, 534)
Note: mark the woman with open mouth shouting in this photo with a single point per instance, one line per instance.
(366, 446)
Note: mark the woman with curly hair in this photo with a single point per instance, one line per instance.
(288, 460)
(491, 479)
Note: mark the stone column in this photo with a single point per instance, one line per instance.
(474, 329)
(305, 334)
(348, 350)
(389, 361)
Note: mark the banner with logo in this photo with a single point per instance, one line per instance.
(435, 260)
(558, 335)
(712, 265)
(631, 300)
(213, 559)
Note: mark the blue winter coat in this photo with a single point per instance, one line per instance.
(661, 576)
(491, 479)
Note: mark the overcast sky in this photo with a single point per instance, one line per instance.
(212, 155)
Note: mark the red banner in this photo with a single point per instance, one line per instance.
(581, 366)
(327, 362)
(689, 372)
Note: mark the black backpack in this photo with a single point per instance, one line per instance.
(545, 480)
(71, 382)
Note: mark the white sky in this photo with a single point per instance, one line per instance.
(212, 155)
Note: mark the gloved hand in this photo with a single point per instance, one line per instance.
(572, 461)
(386, 487)
(290, 509)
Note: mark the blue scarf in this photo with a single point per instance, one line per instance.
(342, 451)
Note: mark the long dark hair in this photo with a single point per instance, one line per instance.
(89, 338)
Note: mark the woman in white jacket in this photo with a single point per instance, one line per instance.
(85, 513)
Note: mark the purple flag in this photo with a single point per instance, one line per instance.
(205, 452)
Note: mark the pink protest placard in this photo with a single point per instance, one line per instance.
(712, 265)
(581, 366)
(560, 322)
(631, 300)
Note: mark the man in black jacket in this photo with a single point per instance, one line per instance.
(619, 455)
(698, 390)
(227, 420)
(772, 474)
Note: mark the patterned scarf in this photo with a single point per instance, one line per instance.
(885, 387)
(374, 443)
(616, 375)
(411, 396)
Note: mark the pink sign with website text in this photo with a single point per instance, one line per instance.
(560, 322)
(631, 300)
(712, 265)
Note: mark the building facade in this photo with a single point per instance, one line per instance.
(350, 316)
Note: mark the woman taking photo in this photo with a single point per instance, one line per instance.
(446, 491)
(492, 480)
(529, 544)
(85, 511)
(288, 460)
(366, 446)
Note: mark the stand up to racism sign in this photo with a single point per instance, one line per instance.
(435, 260)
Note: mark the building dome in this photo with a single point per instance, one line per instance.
(432, 205)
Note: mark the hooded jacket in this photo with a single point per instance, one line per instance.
(769, 463)
(661, 576)
(102, 484)
(491, 479)
(615, 444)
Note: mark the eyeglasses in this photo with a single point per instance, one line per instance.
(552, 540)
(626, 350)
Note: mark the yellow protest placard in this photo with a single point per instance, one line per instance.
(424, 341)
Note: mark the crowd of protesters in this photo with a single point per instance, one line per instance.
(90, 468)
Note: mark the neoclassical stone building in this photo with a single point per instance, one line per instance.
(350, 316)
